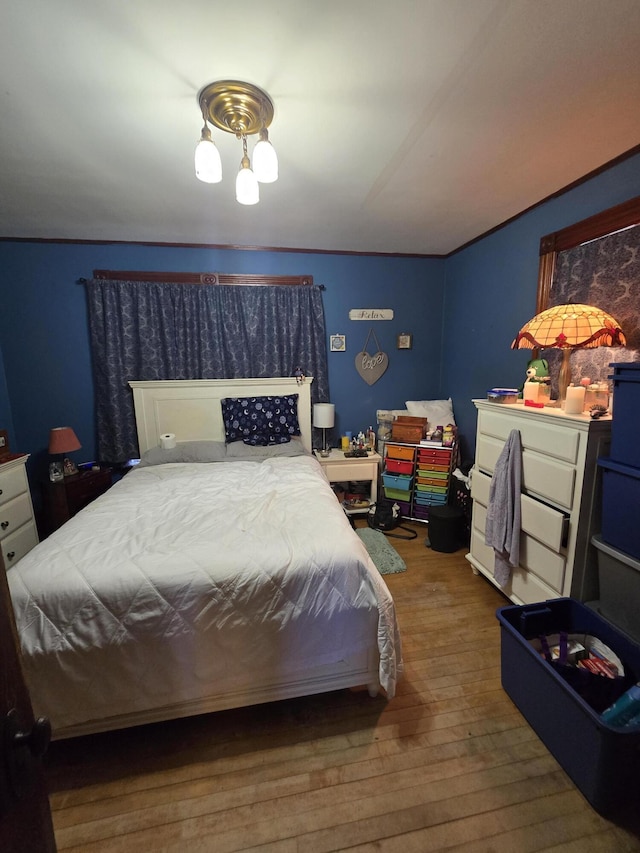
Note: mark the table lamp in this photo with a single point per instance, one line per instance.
(324, 418)
(62, 440)
(569, 327)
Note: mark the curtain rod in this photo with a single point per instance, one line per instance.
(203, 278)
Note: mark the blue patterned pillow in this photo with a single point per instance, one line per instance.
(260, 421)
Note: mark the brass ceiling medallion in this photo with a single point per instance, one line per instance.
(236, 107)
(242, 109)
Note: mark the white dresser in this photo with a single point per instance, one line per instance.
(18, 532)
(560, 498)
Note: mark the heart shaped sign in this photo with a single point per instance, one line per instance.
(371, 367)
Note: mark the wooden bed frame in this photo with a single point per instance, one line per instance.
(191, 410)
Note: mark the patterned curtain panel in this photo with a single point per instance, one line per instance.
(604, 273)
(152, 330)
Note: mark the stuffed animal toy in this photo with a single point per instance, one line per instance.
(537, 371)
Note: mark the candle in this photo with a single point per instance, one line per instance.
(530, 391)
(574, 400)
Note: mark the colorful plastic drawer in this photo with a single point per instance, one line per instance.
(423, 466)
(399, 466)
(396, 494)
(397, 481)
(420, 511)
(403, 506)
(436, 490)
(432, 481)
(438, 478)
(440, 456)
(399, 451)
(429, 499)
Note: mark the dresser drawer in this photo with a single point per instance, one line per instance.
(14, 513)
(548, 439)
(339, 471)
(12, 483)
(546, 524)
(535, 557)
(543, 475)
(522, 586)
(15, 546)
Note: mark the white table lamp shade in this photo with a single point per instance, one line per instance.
(324, 415)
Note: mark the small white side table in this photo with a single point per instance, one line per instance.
(339, 468)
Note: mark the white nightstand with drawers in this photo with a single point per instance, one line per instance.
(18, 532)
(560, 503)
(339, 468)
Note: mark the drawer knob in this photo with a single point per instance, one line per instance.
(4, 525)
(11, 555)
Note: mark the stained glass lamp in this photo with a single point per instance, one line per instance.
(569, 327)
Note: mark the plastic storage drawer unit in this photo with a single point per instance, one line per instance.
(625, 446)
(601, 759)
(619, 582)
(621, 506)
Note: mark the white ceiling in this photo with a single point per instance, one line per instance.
(407, 126)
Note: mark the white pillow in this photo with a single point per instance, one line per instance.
(437, 412)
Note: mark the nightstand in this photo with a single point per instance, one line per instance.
(61, 501)
(339, 468)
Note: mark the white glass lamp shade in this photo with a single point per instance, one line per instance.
(207, 160)
(265, 160)
(324, 415)
(247, 191)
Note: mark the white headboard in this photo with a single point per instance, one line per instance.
(190, 408)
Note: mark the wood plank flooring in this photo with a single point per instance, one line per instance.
(448, 764)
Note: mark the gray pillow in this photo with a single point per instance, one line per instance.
(248, 453)
(185, 451)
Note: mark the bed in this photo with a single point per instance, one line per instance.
(212, 576)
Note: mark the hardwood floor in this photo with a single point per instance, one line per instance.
(449, 764)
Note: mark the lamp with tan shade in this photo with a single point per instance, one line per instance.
(569, 327)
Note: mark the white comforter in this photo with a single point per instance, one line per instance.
(184, 577)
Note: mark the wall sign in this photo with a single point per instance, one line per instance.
(371, 367)
(371, 314)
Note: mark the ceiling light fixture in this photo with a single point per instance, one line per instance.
(242, 109)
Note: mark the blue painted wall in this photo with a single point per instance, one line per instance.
(6, 419)
(463, 313)
(491, 287)
(45, 339)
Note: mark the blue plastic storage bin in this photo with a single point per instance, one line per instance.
(601, 759)
(620, 506)
(397, 481)
(625, 446)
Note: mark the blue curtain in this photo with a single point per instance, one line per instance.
(152, 330)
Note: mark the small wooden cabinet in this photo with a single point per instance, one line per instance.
(560, 502)
(18, 533)
(61, 501)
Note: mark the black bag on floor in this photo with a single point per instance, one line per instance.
(385, 517)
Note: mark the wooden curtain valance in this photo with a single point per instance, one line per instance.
(204, 277)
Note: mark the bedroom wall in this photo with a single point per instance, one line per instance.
(45, 339)
(6, 420)
(491, 287)
(462, 312)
